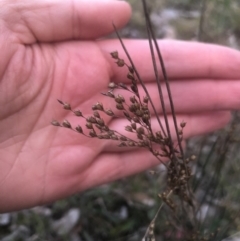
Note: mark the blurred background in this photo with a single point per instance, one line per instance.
(122, 210)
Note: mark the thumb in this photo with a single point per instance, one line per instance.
(58, 20)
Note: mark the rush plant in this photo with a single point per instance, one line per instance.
(178, 198)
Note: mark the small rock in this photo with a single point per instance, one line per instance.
(67, 222)
(5, 219)
(20, 233)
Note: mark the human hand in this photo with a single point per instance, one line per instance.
(48, 51)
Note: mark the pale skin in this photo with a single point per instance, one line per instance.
(49, 50)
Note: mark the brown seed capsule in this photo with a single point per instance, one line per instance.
(114, 55)
(139, 136)
(112, 85)
(159, 134)
(98, 126)
(105, 128)
(134, 89)
(128, 128)
(139, 113)
(130, 76)
(91, 119)
(94, 107)
(110, 94)
(118, 100)
(134, 126)
(110, 132)
(79, 129)
(66, 124)
(96, 114)
(114, 137)
(120, 62)
(122, 144)
(100, 122)
(66, 106)
(119, 106)
(135, 119)
(109, 112)
(180, 132)
(127, 115)
(132, 108)
(145, 99)
(141, 144)
(131, 70)
(123, 138)
(89, 125)
(145, 109)
(92, 133)
(145, 118)
(140, 130)
(97, 106)
(133, 99)
(77, 113)
(55, 123)
(183, 124)
(106, 136)
(130, 143)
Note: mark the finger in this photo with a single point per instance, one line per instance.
(112, 166)
(59, 20)
(183, 60)
(188, 96)
(196, 124)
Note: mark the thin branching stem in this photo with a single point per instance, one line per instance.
(140, 80)
(153, 37)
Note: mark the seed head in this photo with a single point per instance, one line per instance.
(89, 125)
(128, 128)
(135, 119)
(123, 138)
(127, 115)
(112, 85)
(92, 120)
(130, 76)
(122, 144)
(134, 126)
(66, 124)
(130, 143)
(145, 99)
(98, 106)
(79, 129)
(109, 112)
(96, 114)
(66, 106)
(119, 106)
(114, 137)
(120, 62)
(183, 124)
(100, 122)
(92, 133)
(131, 70)
(114, 55)
(77, 113)
(55, 123)
(140, 130)
(133, 99)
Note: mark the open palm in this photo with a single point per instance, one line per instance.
(49, 52)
